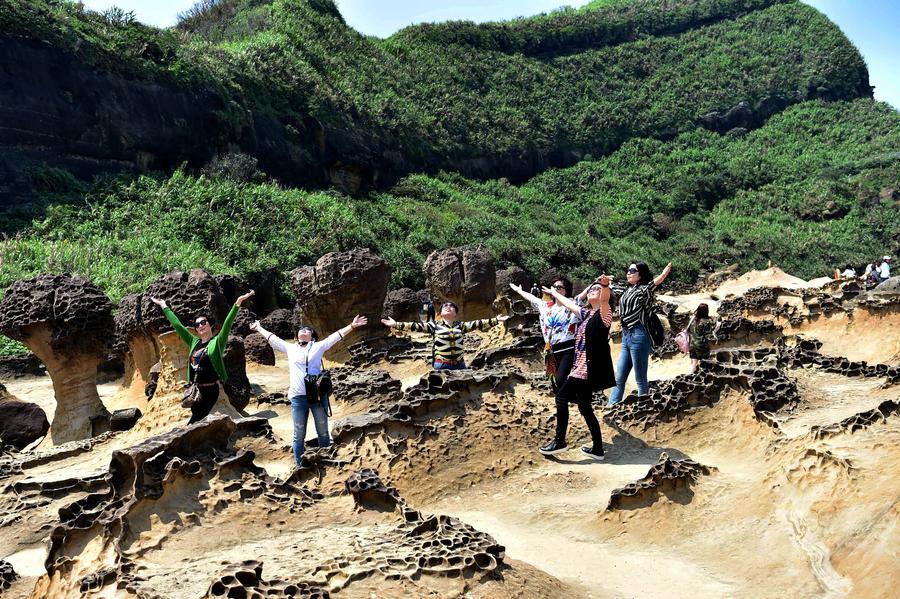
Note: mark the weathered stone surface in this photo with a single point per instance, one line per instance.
(405, 305)
(281, 322)
(245, 580)
(123, 420)
(12, 367)
(237, 387)
(7, 575)
(340, 286)
(465, 276)
(672, 478)
(258, 350)
(67, 322)
(21, 423)
(514, 275)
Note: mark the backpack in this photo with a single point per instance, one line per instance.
(683, 339)
(655, 331)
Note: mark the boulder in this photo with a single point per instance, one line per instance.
(21, 423)
(340, 286)
(67, 322)
(237, 387)
(281, 322)
(465, 276)
(258, 350)
(404, 304)
(889, 287)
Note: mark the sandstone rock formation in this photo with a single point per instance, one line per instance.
(340, 286)
(465, 276)
(258, 350)
(21, 423)
(405, 305)
(672, 478)
(139, 322)
(67, 322)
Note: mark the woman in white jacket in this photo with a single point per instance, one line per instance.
(305, 357)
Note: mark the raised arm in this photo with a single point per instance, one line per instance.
(176, 324)
(527, 296)
(482, 324)
(229, 320)
(419, 327)
(662, 276)
(274, 340)
(358, 321)
(563, 300)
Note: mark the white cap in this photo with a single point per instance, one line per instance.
(886, 258)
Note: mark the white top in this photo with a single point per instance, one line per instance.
(848, 273)
(300, 356)
(885, 271)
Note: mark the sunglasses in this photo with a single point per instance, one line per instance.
(559, 286)
(202, 322)
(631, 271)
(595, 288)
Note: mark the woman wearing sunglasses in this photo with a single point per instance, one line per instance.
(206, 364)
(636, 301)
(558, 325)
(592, 369)
(447, 334)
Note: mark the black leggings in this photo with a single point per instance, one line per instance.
(201, 409)
(564, 361)
(577, 391)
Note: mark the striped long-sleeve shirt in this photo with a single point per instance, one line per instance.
(447, 338)
(635, 303)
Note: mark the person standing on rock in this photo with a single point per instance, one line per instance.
(305, 358)
(636, 302)
(558, 326)
(592, 369)
(206, 364)
(447, 334)
(700, 331)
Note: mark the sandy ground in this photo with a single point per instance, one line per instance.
(783, 513)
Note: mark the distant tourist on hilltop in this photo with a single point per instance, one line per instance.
(447, 334)
(592, 369)
(558, 326)
(636, 304)
(884, 273)
(849, 272)
(873, 272)
(206, 362)
(307, 391)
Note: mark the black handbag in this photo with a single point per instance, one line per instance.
(190, 396)
(655, 331)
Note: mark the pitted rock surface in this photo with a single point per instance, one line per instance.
(123, 420)
(340, 286)
(465, 276)
(370, 492)
(21, 423)
(237, 386)
(245, 580)
(858, 422)
(7, 575)
(405, 305)
(12, 367)
(283, 323)
(672, 478)
(258, 350)
(77, 313)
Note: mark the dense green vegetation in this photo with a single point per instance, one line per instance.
(801, 191)
(575, 80)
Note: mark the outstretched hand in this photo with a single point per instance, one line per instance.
(161, 303)
(550, 291)
(515, 287)
(239, 301)
(359, 321)
(503, 318)
(388, 322)
(255, 325)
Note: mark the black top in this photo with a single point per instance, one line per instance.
(599, 361)
(202, 371)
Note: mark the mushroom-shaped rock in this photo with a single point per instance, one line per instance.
(340, 286)
(21, 423)
(139, 322)
(405, 304)
(465, 276)
(67, 322)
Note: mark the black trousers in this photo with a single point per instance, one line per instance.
(564, 361)
(577, 391)
(201, 409)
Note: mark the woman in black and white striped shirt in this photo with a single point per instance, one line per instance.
(636, 302)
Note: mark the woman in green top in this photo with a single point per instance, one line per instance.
(206, 364)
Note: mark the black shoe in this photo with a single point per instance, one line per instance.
(596, 454)
(554, 447)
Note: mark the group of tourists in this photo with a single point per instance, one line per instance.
(878, 271)
(575, 331)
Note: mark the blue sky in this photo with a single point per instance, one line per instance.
(870, 24)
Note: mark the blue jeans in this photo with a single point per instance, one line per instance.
(443, 366)
(300, 409)
(635, 352)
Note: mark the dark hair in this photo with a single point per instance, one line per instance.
(455, 307)
(567, 284)
(643, 271)
(210, 319)
(312, 330)
(702, 311)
